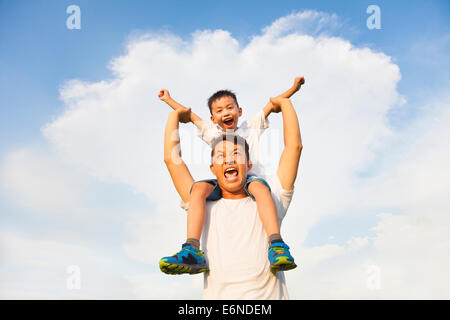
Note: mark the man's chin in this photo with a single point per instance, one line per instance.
(233, 187)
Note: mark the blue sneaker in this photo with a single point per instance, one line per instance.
(187, 260)
(280, 258)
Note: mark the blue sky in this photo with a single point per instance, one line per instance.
(38, 52)
(38, 55)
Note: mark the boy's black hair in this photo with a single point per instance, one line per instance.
(232, 137)
(219, 94)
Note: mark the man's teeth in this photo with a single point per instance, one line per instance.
(230, 172)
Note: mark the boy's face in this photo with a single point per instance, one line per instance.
(230, 166)
(225, 113)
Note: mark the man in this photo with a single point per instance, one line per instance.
(234, 238)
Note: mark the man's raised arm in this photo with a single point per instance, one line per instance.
(290, 157)
(181, 177)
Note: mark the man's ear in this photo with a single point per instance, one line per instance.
(213, 170)
(249, 165)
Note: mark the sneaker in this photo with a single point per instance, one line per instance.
(280, 258)
(187, 260)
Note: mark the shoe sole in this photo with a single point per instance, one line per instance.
(282, 264)
(174, 268)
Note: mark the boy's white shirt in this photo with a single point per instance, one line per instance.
(250, 130)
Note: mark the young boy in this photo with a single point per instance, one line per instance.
(225, 112)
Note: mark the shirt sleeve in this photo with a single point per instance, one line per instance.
(258, 122)
(208, 132)
(281, 197)
(184, 205)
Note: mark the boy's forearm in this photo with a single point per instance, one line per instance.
(195, 119)
(268, 109)
(288, 93)
(173, 104)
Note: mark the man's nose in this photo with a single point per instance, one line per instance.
(229, 160)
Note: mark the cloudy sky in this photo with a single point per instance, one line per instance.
(87, 207)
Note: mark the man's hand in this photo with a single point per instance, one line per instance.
(164, 95)
(298, 81)
(276, 103)
(184, 114)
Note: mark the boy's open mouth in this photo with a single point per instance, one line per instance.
(231, 174)
(228, 123)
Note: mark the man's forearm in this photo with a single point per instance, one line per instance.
(181, 177)
(291, 129)
(290, 157)
(171, 139)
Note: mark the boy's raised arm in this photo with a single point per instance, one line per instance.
(290, 157)
(269, 108)
(179, 172)
(165, 96)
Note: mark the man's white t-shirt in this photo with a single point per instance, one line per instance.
(235, 245)
(250, 130)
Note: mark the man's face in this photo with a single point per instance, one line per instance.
(225, 113)
(230, 166)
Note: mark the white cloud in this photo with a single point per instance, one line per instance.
(38, 269)
(304, 22)
(34, 179)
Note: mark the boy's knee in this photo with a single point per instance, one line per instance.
(258, 187)
(202, 189)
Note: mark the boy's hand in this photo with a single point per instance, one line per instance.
(184, 114)
(298, 83)
(276, 103)
(164, 95)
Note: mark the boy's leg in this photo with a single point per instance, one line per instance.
(279, 256)
(197, 212)
(191, 259)
(266, 208)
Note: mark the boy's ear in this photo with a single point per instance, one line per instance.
(240, 111)
(213, 120)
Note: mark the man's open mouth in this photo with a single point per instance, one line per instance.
(231, 174)
(228, 122)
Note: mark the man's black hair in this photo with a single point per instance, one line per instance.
(220, 94)
(232, 137)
